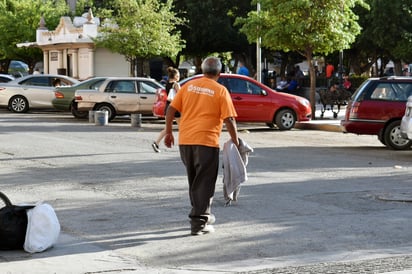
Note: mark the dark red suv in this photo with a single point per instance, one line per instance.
(377, 107)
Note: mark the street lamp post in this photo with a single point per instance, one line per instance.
(258, 54)
(340, 71)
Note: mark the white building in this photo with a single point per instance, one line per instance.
(70, 50)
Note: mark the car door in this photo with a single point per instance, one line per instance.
(122, 94)
(147, 96)
(247, 97)
(38, 91)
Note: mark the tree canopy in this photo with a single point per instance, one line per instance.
(307, 27)
(141, 29)
(19, 21)
(386, 35)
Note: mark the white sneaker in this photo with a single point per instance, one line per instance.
(206, 229)
(155, 147)
(211, 219)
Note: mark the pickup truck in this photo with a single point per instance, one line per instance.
(119, 96)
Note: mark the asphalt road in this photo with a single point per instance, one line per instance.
(315, 201)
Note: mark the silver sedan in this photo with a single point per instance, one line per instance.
(32, 91)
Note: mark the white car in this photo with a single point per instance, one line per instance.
(32, 91)
(406, 123)
(4, 78)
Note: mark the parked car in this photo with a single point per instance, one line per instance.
(406, 123)
(119, 95)
(4, 78)
(254, 102)
(377, 107)
(32, 91)
(18, 68)
(64, 96)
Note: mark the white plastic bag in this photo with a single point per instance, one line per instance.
(171, 95)
(43, 228)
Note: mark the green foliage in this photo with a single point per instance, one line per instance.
(316, 26)
(18, 23)
(389, 26)
(142, 29)
(211, 26)
(304, 26)
(80, 7)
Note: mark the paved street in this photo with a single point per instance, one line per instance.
(316, 201)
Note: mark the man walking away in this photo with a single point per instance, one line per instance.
(204, 105)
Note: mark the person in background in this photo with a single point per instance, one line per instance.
(57, 82)
(330, 69)
(299, 75)
(293, 85)
(242, 69)
(204, 105)
(172, 83)
(346, 82)
(333, 89)
(283, 84)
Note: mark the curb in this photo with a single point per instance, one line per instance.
(319, 126)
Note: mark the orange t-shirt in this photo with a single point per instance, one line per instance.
(203, 104)
(329, 70)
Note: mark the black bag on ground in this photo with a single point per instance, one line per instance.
(13, 225)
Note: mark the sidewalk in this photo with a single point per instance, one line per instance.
(326, 123)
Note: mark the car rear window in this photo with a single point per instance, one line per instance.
(391, 91)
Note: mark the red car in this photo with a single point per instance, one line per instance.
(254, 102)
(377, 108)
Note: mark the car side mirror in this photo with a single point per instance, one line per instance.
(263, 92)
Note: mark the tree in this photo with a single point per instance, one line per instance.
(19, 20)
(307, 27)
(390, 40)
(211, 28)
(141, 29)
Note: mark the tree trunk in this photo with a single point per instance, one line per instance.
(398, 67)
(312, 76)
(133, 67)
(139, 67)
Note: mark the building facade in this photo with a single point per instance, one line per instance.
(70, 50)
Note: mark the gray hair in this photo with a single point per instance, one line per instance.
(211, 66)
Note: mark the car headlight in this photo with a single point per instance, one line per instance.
(303, 101)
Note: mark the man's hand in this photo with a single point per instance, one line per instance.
(169, 140)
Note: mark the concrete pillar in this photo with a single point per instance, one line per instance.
(46, 62)
(91, 62)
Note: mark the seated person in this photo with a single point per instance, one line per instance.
(57, 82)
(293, 85)
(346, 83)
(334, 87)
(282, 84)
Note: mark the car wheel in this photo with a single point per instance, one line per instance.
(381, 137)
(19, 104)
(76, 113)
(393, 138)
(108, 108)
(285, 119)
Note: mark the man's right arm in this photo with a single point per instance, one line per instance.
(231, 127)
